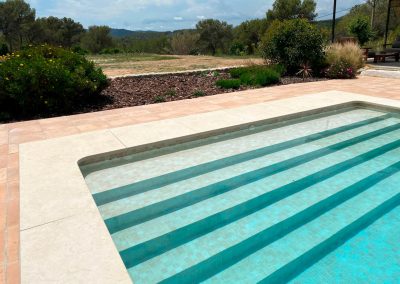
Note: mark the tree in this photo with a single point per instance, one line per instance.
(365, 10)
(214, 34)
(16, 18)
(97, 38)
(248, 34)
(292, 9)
(65, 32)
(361, 28)
(184, 42)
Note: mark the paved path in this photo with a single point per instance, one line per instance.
(12, 135)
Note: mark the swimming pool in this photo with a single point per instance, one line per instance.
(309, 200)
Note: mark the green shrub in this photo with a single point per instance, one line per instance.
(341, 70)
(199, 93)
(263, 77)
(237, 72)
(110, 51)
(229, 83)
(45, 80)
(293, 43)
(258, 75)
(279, 68)
(80, 50)
(215, 74)
(160, 99)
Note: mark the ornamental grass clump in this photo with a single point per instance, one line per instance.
(343, 60)
(44, 80)
(260, 77)
(229, 83)
(256, 75)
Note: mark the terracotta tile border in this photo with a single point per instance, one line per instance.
(11, 135)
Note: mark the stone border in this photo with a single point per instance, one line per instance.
(63, 237)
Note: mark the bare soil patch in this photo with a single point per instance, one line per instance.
(132, 65)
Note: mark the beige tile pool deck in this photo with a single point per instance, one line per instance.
(96, 125)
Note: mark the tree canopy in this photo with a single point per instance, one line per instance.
(65, 32)
(97, 38)
(214, 34)
(19, 27)
(249, 34)
(360, 27)
(16, 19)
(292, 9)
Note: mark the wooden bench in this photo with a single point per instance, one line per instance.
(382, 56)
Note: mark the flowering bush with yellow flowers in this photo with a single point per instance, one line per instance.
(43, 80)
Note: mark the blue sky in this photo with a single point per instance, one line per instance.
(163, 15)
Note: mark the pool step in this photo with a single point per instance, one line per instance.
(165, 224)
(115, 194)
(147, 198)
(147, 250)
(158, 209)
(225, 258)
(371, 256)
(280, 261)
(301, 263)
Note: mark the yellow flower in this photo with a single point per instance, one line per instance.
(21, 65)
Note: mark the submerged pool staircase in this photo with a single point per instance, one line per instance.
(263, 222)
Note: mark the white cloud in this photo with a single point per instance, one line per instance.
(178, 18)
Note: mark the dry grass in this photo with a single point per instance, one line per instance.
(348, 52)
(117, 65)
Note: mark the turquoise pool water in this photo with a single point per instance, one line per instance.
(312, 200)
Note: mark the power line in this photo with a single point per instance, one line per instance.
(332, 13)
(344, 10)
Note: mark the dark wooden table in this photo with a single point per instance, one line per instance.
(382, 56)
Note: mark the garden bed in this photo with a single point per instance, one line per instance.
(143, 90)
(151, 89)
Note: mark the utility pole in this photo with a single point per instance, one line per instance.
(334, 21)
(373, 5)
(387, 21)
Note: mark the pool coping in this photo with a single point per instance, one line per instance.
(60, 225)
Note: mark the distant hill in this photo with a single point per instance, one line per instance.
(140, 34)
(136, 34)
(327, 23)
(118, 33)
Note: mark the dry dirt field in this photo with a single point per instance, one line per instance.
(125, 64)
